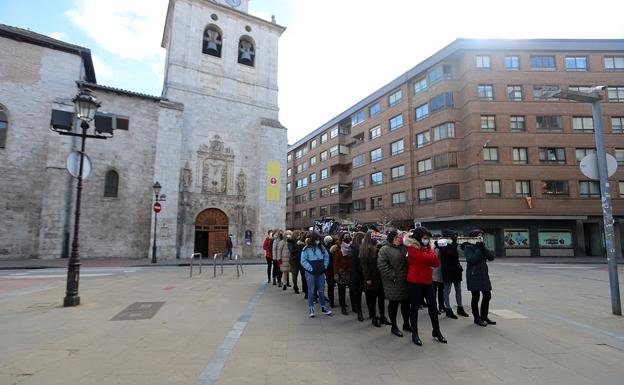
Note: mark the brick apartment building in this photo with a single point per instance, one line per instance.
(467, 139)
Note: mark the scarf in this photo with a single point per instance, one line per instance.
(345, 248)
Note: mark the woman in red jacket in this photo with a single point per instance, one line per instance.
(268, 254)
(421, 259)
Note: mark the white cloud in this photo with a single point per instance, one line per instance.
(59, 36)
(130, 29)
(102, 70)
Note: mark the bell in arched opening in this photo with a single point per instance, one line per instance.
(212, 42)
(246, 52)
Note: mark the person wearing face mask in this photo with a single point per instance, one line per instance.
(315, 261)
(340, 252)
(421, 261)
(373, 289)
(268, 254)
(329, 241)
(392, 265)
(451, 273)
(283, 256)
(478, 278)
(356, 275)
(277, 273)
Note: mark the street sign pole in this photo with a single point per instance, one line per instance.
(607, 210)
(157, 209)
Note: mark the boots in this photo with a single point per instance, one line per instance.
(284, 288)
(461, 311)
(395, 330)
(480, 322)
(438, 336)
(376, 322)
(450, 314)
(344, 310)
(416, 339)
(296, 289)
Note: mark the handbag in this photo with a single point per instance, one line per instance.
(318, 267)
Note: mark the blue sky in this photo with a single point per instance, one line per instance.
(334, 52)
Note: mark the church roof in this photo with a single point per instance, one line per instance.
(27, 36)
(120, 91)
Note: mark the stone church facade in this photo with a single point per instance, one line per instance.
(212, 140)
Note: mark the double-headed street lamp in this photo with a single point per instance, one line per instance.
(85, 106)
(607, 211)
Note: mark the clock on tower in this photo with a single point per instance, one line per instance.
(240, 5)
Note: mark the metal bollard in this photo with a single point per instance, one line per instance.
(237, 262)
(200, 263)
(214, 264)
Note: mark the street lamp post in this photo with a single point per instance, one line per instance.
(157, 187)
(85, 105)
(607, 211)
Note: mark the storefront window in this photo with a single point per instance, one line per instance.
(517, 238)
(555, 238)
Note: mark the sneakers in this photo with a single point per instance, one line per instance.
(326, 311)
(311, 312)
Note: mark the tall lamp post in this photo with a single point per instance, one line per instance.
(595, 98)
(85, 106)
(157, 187)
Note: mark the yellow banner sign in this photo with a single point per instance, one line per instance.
(273, 181)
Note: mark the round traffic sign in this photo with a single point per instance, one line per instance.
(273, 180)
(157, 207)
(589, 166)
(73, 165)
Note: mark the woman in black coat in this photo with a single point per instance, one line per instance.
(356, 276)
(451, 273)
(373, 288)
(477, 277)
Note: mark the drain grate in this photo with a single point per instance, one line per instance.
(138, 311)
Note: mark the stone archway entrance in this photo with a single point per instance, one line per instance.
(211, 231)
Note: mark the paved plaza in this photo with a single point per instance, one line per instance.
(554, 327)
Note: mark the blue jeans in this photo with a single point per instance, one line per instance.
(228, 253)
(315, 284)
(447, 292)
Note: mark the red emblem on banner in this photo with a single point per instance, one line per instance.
(273, 180)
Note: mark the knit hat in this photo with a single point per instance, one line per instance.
(328, 239)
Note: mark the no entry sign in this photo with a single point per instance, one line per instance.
(157, 207)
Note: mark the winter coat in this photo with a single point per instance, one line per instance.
(341, 265)
(228, 243)
(266, 246)
(274, 247)
(312, 254)
(356, 276)
(370, 270)
(449, 260)
(421, 261)
(477, 277)
(295, 254)
(283, 256)
(392, 264)
(329, 274)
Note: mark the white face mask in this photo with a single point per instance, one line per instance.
(424, 242)
(318, 242)
(480, 239)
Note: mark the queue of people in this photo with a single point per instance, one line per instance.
(409, 269)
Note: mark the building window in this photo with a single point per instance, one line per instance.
(447, 191)
(555, 187)
(212, 41)
(439, 73)
(583, 152)
(324, 155)
(398, 199)
(523, 188)
(397, 147)
(424, 166)
(313, 194)
(289, 172)
(552, 155)
(543, 63)
(313, 178)
(422, 111)
(313, 161)
(614, 63)
(324, 174)
(423, 139)
(520, 155)
(396, 122)
(420, 86)
(446, 160)
(358, 161)
(395, 98)
(621, 186)
(542, 92)
(313, 143)
(374, 132)
(324, 192)
(398, 172)
(359, 204)
(246, 51)
(324, 138)
(617, 124)
(334, 151)
(289, 157)
(576, 63)
(376, 178)
(616, 94)
(619, 155)
(111, 184)
(375, 155)
(488, 122)
(512, 63)
(490, 154)
(333, 133)
(313, 212)
(376, 202)
(425, 195)
(516, 123)
(4, 127)
(548, 123)
(583, 124)
(443, 131)
(483, 62)
(589, 189)
(357, 118)
(514, 93)
(335, 189)
(359, 182)
(288, 187)
(323, 211)
(492, 187)
(485, 91)
(298, 153)
(441, 101)
(375, 109)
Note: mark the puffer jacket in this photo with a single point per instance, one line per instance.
(310, 253)
(275, 244)
(341, 265)
(392, 264)
(266, 246)
(421, 261)
(477, 276)
(283, 256)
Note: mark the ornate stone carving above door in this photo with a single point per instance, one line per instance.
(216, 167)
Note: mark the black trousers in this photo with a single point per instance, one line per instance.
(269, 266)
(393, 306)
(277, 273)
(342, 295)
(438, 291)
(355, 295)
(304, 283)
(374, 299)
(416, 293)
(331, 284)
(485, 304)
